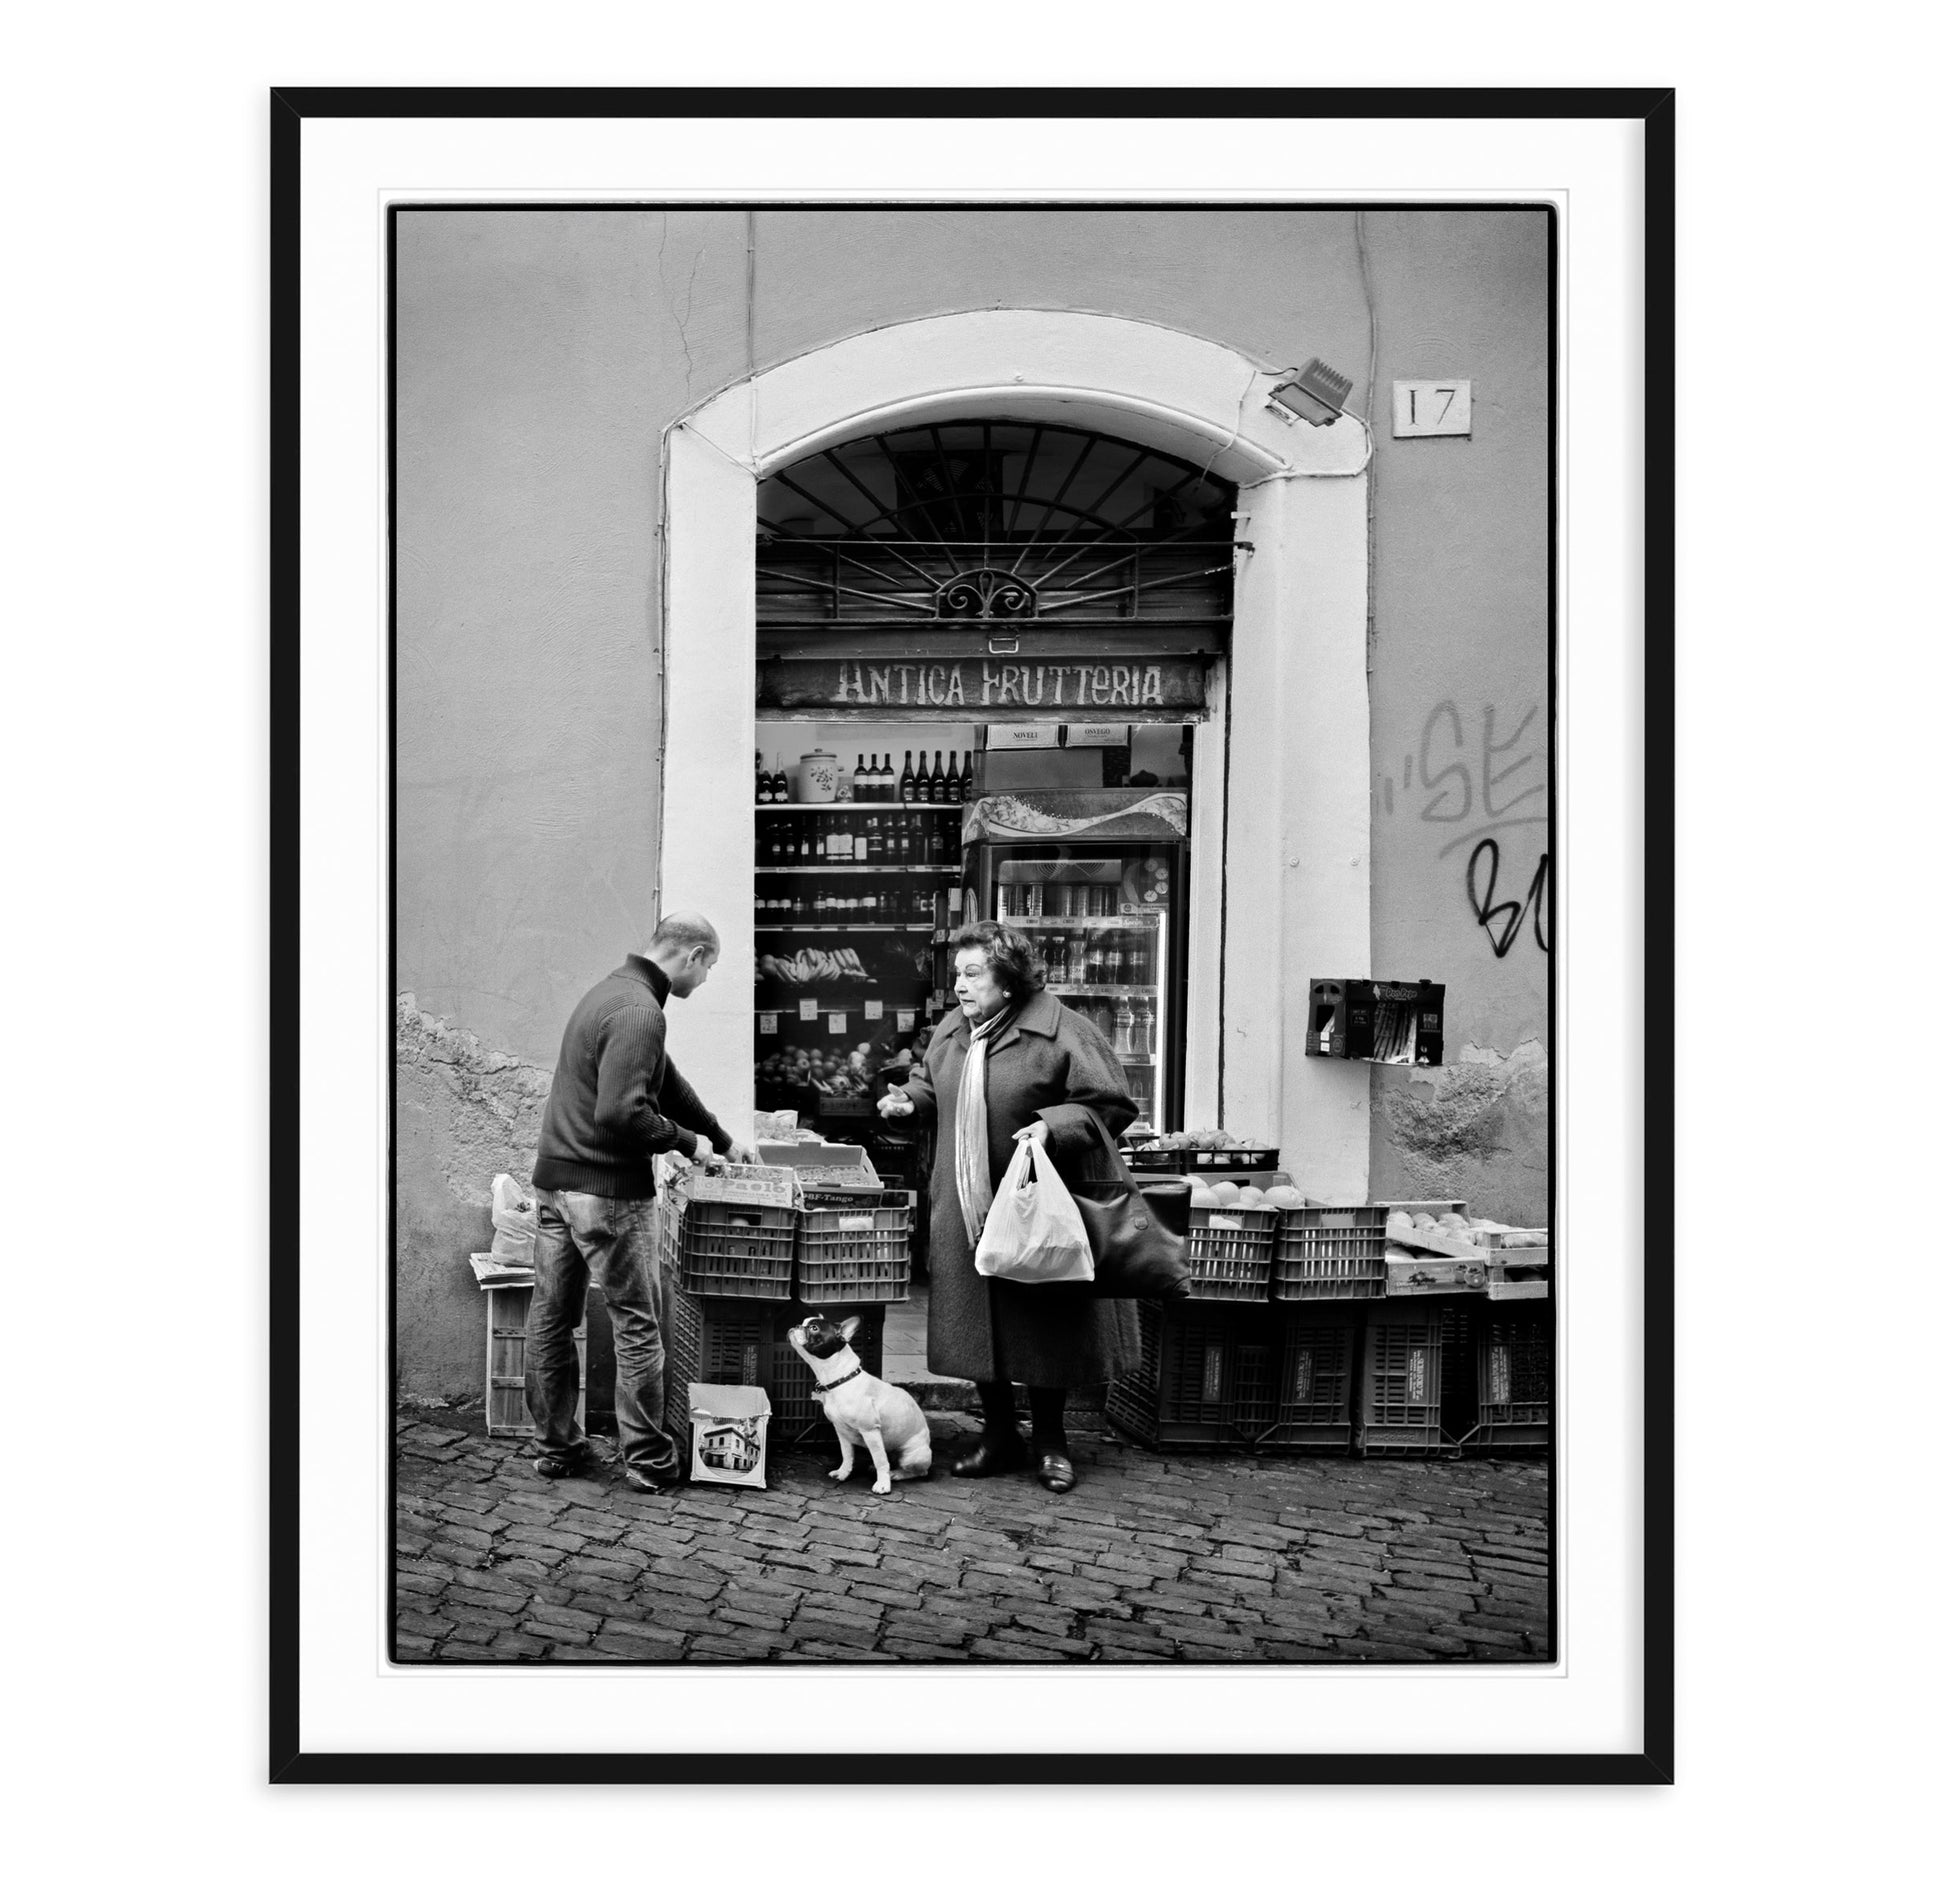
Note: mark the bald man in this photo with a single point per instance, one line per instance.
(617, 1101)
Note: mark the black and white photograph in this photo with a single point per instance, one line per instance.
(972, 932)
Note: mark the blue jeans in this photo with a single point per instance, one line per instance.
(612, 1241)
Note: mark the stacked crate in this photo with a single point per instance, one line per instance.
(1418, 1393)
(1514, 1359)
(738, 1277)
(1238, 1376)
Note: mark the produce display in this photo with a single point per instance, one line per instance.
(1228, 1193)
(1448, 1229)
(1202, 1140)
(815, 966)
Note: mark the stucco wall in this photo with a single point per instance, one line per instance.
(540, 356)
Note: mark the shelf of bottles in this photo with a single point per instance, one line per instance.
(875, 868)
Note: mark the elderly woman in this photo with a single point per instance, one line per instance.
(1011, 1063)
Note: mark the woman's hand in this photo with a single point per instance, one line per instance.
(894, 1103)
(1037, 1131)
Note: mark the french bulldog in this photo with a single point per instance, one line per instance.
(861, 1408)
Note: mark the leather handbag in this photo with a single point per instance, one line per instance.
(1136, 1232)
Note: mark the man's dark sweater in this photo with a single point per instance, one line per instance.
(617, 1099)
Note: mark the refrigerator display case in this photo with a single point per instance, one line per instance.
(1100, 881)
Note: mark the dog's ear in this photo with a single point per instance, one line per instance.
(849, 1328)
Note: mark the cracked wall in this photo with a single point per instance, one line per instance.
(465, 1113)
(1475, 1130)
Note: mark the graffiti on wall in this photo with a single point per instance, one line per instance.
(1483, 778)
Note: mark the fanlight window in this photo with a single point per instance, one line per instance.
(993, 521)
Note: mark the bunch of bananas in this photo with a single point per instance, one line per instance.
(815, 966)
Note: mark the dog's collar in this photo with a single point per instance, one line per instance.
(822, 1388)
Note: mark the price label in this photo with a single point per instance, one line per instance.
(807, 1009)
(835, 1023)
(767, 1023)
(874, 1010)
(908, 1018)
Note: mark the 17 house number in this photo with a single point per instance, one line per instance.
(1430, 409)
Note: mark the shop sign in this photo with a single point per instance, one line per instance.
(989, 687)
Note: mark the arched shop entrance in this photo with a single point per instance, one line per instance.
(1094, 557)
(1046, 605)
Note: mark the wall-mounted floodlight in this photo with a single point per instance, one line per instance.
(1317, 395)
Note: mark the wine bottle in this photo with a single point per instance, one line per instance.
(955, 793)
(938, 780)
(922, 782)
(966, 791)
(763, 783)
(875, 782)
(858, 778)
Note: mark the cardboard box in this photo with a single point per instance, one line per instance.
(745, 1186)
(823, 1166)
(729, 1433)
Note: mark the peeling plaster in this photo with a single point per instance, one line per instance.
(491, 1117)
(1479, 1112)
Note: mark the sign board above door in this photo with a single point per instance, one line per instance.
(988, 688)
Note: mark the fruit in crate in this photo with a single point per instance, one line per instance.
(1204, 1197)
(1226, 1193)
(1282, 1196)
(1250, 1196)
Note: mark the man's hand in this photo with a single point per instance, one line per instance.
(894, 1103)
(740, 1155)
(706, 1158)
(1038, 1132)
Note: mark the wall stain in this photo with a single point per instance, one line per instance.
(488, 1104)
(1473, 1127)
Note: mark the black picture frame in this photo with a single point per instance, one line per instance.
(290, 109)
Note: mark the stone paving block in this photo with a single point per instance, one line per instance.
(640, 1631)
(840, 1628)
(408, 1580)
(565, 1618)
(994, 1649)
(922, 1650)
(1010, 1584)
(455, 1554)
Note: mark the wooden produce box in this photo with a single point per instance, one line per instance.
(1514, 1275)
(1421, 1274)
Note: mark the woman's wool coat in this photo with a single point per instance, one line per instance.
(1047, 1064)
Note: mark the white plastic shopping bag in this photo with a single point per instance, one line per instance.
(1034, 1234)
(515, 1219)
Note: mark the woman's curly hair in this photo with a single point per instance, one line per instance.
(1016, 965)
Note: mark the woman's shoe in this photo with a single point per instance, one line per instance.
(993, 1453)
(1056, 1471)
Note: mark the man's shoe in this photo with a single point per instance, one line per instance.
(564, 1467)
(993, 1453)
(664, 1483)
(1056, 1471)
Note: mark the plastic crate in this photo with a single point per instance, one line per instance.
(1417, 1396)
(1514, 1355)
(1314, 1383)
(1147, 1158)
(717, 1340)
(737, 1250)
(1231, 1266)
(1208, 1377)
(1329, 1252)
(508, 1306)
(840, 1261)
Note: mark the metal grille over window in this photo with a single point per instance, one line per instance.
(993, 521)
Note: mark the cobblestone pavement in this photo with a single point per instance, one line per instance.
(1150, 1557)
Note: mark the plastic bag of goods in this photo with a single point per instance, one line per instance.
(514, 1219)
(1035, 1233)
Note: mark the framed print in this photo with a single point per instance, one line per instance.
(964, 935)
